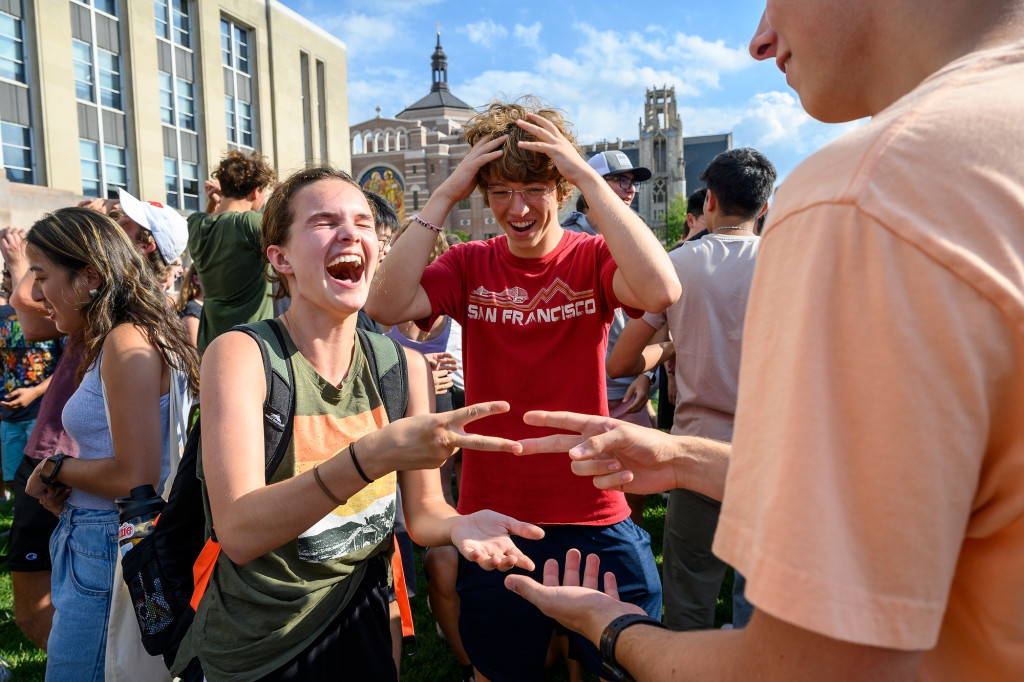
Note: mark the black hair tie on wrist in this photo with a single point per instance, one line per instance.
(359, 469)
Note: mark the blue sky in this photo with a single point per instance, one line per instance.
(592, 60)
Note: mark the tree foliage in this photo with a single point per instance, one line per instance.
(675, 220)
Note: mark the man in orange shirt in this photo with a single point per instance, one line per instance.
(875, 493)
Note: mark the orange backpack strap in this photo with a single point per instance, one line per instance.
(402, 596)
(202, 570)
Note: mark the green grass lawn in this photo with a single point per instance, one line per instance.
(433, 661)
(27, 660)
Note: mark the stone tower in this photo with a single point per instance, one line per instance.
(661, 150)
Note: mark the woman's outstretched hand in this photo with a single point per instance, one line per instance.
(485, 538)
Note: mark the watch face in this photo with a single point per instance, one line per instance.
(47, 470)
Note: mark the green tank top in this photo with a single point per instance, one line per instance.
(256, 617)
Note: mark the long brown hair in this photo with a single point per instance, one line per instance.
(190, 288)
(73, 238)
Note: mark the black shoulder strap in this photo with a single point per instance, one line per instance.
(389, 369)
(279, 405)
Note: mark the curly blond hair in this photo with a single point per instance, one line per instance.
(515, 164)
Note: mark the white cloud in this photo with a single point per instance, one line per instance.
(485, 32)
(361, 33)
(528, 35)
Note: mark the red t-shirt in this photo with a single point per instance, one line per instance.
(534, 333)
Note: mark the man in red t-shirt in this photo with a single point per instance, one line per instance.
(535, 305)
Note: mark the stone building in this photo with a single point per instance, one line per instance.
(676, 162)
(149, 95)
(407, 157)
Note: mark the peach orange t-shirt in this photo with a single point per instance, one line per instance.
(876, 492)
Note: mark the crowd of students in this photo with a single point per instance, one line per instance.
(865, 448)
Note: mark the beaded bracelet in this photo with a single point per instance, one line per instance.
(424, 223)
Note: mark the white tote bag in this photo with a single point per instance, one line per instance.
(126, 659)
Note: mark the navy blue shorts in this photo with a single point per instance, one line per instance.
(507, 637)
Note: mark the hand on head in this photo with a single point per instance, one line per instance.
(12, 244)
(461, 183)
(550, 141)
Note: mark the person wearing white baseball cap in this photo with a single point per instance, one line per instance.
(618, 171)
(159, 231)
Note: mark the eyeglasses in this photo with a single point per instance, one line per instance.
(624, 181)
(531, 195)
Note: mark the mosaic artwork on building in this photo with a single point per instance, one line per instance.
(387, 183)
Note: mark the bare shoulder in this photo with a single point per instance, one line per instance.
(126, 336)
(234, 350)
(233, 365)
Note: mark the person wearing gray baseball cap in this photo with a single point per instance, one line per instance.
(616, 168)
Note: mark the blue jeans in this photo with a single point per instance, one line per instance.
(83, 549)
(13, 438)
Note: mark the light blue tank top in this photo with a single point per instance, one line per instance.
(85, 420)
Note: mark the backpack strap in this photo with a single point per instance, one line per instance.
(390, 371)
(279, 405)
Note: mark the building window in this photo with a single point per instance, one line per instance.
(109, 78)
(17, 147)
(178, 105)
(415, 200)
(183, 188)
(173, 22)
(89, 155)
(465, 204)
(164, 83)
(321, 105)
(660, 156)
(660, 191)
(12, 48)
(15, 121)
(81, 55)
(108, 6)
(238, 101)
(307, 106)
(96, 55)
(115, 165)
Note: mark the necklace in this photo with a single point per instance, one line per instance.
(731, 227)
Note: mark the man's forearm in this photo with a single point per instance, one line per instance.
(641, 259)
(701, 465)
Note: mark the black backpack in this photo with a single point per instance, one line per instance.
(159, 569)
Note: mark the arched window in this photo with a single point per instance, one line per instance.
(660, 191)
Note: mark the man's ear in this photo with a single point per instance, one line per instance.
(762, 211)
(148, 248)
(710, 202)
(279, 260)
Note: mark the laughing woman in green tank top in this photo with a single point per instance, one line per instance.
(299, 590)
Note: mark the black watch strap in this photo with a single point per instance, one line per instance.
(611, 635)
(51, 478)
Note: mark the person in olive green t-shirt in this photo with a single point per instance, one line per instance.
(225, 246)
